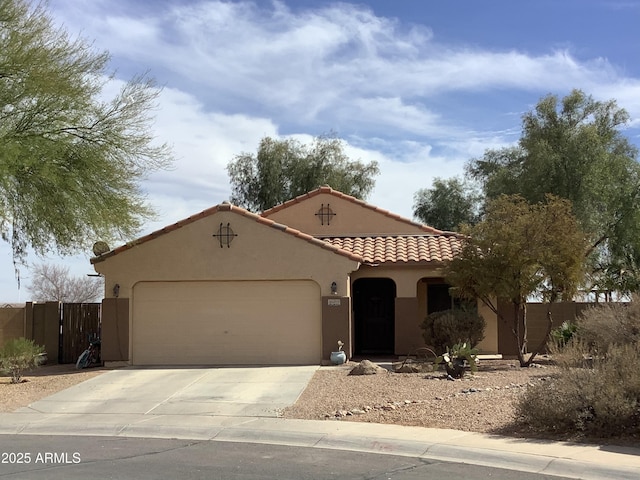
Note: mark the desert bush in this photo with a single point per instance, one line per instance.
(450, 327)
(575, 353)
(603, 400)
(610, 324)
(564, 333)
(18, 356)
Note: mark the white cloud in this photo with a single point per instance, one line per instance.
(204, 143)
(316, 63)
(626, 92)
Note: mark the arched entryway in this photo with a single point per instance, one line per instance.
(374, 316)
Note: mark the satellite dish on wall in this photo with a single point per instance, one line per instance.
(99, 248)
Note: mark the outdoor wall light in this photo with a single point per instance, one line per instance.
(116, 290)
(334, 288)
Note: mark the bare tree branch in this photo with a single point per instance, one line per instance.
(55, 283)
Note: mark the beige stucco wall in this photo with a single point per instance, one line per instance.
(351, 218)
(489, 345)
(259, 252)
(406, 276)
(191, 253)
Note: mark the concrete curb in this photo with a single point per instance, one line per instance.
(544, 457)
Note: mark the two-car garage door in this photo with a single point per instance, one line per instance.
(226, 323)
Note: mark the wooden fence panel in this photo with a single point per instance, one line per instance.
(79, 323)
(44, 327)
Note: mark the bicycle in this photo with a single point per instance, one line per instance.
(91, 356)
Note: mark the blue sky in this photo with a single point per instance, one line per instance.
(419, 86)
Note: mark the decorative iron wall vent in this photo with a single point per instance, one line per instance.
(225, 235)
(325, 214)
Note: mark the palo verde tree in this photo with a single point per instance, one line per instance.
(284, 169)
(574, 148)
(516, 251)
(448, 204)
(71, 158)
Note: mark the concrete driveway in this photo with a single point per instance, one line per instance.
(233, 391)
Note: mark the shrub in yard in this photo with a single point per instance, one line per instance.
(603, 400)
(610, 324)
(18, 356)
(450, 327)
(456, 358)
(575, 353)
(561, 335)
(566, 347)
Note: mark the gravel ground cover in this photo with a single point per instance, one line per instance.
(482, 402)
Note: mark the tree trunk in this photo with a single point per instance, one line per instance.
(544, 340)
(525, 331)
(521, 341)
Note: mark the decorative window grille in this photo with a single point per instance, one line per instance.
(325, 214)
(225, 235)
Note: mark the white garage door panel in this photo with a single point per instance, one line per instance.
(224, 323)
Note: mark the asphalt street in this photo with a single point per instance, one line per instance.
(69, 457)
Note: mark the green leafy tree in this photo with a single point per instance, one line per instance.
(516, 251)
(574, 148)
(448, 204)
(71, 158)
(284, 169)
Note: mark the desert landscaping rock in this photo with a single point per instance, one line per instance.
(367, 367)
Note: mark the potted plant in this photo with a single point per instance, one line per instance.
(339, 357)
(457, 358)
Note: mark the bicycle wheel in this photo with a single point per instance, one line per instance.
(83, 359)
(93, 358)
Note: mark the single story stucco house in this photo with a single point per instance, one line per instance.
(227, 286)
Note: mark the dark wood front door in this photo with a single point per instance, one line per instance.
(374, 315)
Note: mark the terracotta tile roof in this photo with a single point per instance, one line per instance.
(226, 207)
(400, 248)
(355, 200)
